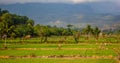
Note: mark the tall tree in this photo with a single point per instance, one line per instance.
(76, 36)
(88, 31)
(69, 26)
(30, 22)
(0, 11)
(7, 22)
(42, 31)
(4, 11)
(96, 32)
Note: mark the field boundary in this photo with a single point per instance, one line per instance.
(59, 56)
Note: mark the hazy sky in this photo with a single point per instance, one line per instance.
(54, 1)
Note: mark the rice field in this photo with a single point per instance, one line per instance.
(85, 52)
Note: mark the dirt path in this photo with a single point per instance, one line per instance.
(59, 56)
(51, 49)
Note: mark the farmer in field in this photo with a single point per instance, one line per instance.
(4, 37)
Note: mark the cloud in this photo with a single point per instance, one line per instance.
(82, 1)
(33, 1)
(52, 1)
(58, 23)
(78, 1)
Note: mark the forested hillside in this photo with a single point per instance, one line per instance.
(60, 14)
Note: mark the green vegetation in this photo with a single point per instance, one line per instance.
(92, 51)
(81, 45)
(57, 60)
(53, 45)
(14, 26)
(58, 52)
(24, 42)
(63, 40)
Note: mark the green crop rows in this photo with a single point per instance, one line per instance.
(57, 61)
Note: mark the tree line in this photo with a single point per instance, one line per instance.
(14, 26)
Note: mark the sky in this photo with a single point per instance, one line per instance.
(55, 1)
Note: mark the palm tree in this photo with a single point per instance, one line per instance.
(88, 31)
(69, 26)
(96, 32)
(76, 36)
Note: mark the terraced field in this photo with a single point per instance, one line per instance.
(58, 60)
(65, 53)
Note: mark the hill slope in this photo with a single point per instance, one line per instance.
(61, 14)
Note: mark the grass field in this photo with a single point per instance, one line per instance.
(68, 40)
(84, 45)
(83, 49)
(85, 52)
(57, 52)
(57, 61)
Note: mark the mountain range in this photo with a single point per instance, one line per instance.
(100, 14)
